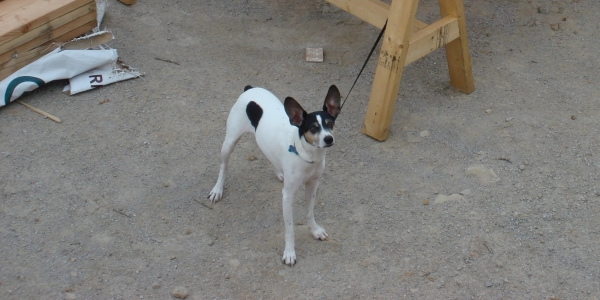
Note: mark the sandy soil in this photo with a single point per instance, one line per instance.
(492, 195)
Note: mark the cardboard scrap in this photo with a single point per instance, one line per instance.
(314, 54)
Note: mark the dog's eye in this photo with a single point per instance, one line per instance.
(314, 129)
(330, 125)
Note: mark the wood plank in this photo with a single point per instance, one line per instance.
(457, 51)
(374, 12)
(127, 2)
(48, 27)
(431, 38)
(30, 17)
(23, 51)
(389, 70)
(47, 48)
(8, 6)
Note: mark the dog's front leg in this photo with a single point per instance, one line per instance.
(317, 231)
(289, 190)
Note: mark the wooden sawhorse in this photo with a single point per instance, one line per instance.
(406, 40)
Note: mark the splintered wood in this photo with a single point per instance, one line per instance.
(30, 29)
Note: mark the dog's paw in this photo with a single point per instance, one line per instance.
(215, 195)
(279, 177)
(319, 233)
(289, 257)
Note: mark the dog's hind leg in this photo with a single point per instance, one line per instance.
(310, 188)
(234, 132)
(226, 150)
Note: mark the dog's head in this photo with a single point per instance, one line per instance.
(316, 127)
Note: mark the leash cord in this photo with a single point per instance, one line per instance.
(365, 64)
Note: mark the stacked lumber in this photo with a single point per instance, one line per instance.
(30, 29)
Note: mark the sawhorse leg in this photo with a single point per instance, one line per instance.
(394, 50)
(389, 68)
(457, 51)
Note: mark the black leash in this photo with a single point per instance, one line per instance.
(366, 61)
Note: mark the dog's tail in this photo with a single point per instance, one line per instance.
(247, 87)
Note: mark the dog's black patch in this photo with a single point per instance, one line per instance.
(254, 112)
(247, 87)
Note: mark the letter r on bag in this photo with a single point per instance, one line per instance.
(96, 78)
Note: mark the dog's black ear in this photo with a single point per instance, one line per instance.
(332, 101)
(294, 111)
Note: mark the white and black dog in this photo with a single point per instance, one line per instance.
(295, 143)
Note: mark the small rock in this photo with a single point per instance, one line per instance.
(74, 274)
(251, 157)
(426, 202)
(234, 263)
(555, 26)
(489, 284)
(314, 54)
(155, 285)
(424, 133)
(488, 111)
(508, 119)
(542, 10)
(484, 174)
(180, 292)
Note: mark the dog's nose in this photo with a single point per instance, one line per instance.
(328, 140)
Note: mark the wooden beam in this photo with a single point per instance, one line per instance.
(36, 53)
(373, 12)
(29, 17)
(457, 51)
(7, 6)
(431, 38)
(47, 27)
(24, 51)
(389, 70)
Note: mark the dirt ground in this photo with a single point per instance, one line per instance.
(492, 195)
